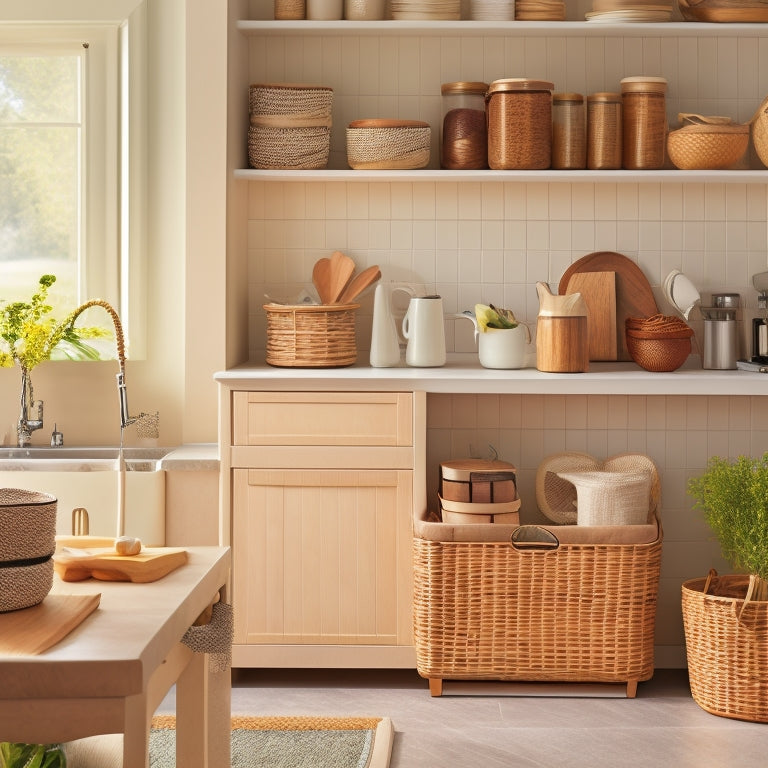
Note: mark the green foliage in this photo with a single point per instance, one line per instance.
(489, 316)
(734, 498)
(31, 756)
(29, 337)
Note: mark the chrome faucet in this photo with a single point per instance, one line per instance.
(27, 425)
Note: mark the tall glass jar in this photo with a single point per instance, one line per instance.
(604, 131)
(644, 122)
(569, 145)
(464, 136)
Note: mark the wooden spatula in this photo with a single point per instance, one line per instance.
(341, 269)
(359, 283)
(321, 278)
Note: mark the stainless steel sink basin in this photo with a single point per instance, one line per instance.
(74, 458)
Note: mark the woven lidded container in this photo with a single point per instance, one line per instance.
(644, 122)
(464, 133)
(519, 124)
(707, 147)
(569, 131)
(604, 131)
(290, 126)
(311, 336)
(380, 144)
(478, 491)
(726, 641)
(27, 543)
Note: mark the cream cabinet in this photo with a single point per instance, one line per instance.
(322, 506)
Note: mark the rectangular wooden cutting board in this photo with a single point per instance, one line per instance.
(599, 292)
(150, 564)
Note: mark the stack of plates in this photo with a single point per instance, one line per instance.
(624, 11)
(492, 10)
(426, 10)
(540, 10)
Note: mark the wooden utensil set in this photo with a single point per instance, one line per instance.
(335, 280)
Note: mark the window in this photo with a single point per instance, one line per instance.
(66, 191)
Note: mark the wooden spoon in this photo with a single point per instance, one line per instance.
(341, 269)
(321, 278)
(359, 283)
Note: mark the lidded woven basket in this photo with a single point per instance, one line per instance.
(658, 343)
(380, 144)
(290, 126)
(707, 145)
(27, 543)
(760, 132)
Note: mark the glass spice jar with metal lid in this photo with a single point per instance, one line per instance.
(604, 131)
(519, 115)
(644, 122)
(464, 134)
(569, 143)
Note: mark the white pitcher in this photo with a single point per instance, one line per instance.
(424, 330)
(385, 345)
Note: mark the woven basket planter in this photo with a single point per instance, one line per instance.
(311, 336)
(707, 147)
(27, 542)
(726, 640)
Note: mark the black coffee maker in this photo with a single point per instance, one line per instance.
(760, 324)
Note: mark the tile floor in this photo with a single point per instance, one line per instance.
(663, 727)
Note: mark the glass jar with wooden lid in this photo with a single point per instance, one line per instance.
(464, 135)
(644, 122)
(569, 144)
(519, 124)
(604, 131)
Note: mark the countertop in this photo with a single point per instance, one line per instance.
(462, 373)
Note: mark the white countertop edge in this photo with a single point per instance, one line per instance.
(463, 374)
(192, 457)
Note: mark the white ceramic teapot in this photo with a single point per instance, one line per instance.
(501, 347)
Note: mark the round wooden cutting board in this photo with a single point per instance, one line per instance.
(634, 297)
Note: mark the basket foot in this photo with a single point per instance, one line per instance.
(435, 686)
(631, 689)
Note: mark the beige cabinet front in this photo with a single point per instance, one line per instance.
(322, 509)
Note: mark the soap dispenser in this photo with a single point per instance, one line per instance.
(385, 345)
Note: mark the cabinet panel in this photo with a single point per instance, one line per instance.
(332, 418)
(322, 557)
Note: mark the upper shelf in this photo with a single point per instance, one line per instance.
(503, 28)
(527, 177)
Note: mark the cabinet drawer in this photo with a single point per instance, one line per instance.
(383, 419)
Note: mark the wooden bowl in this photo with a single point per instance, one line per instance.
(735, 11)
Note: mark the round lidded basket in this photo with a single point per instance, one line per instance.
(707, 147)
(644, 122)
(311, 336)
(27, 543)
(604, 140)
(760, 131)
(380, 144)
(519, 113)
(290, 126)
(464, 133)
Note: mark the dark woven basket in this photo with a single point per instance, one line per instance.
(658, 343)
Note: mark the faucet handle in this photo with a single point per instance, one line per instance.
(57, 438)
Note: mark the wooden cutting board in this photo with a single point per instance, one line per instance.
(598, 290)
(150, 564)
(33, 630)
(634, 297)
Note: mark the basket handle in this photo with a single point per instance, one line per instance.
(711, 575)
(534, 537)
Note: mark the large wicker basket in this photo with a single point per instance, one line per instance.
(311, 336)
(726, 640)
(27, 542)
(760, 132)
(707, 147)
(492, 610)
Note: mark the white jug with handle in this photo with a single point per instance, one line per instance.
(385, 344)
(424, 330)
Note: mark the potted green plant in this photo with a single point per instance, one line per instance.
(31, 756)
(726, 617)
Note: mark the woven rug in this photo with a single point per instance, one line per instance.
(290, 742)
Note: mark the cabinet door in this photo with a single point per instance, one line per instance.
(322, 557)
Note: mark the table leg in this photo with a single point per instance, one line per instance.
(136, 732)
(203, 715)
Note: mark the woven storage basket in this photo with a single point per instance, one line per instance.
(27, 542)
(388, 144)
(519, 124)
(760, 132)
(727, 647)
(707, 147)
(311, 336)
(290, 126)
(574, 613)
(658, 343)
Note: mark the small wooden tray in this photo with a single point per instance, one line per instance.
(150, 564)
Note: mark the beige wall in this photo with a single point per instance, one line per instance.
(185, 214)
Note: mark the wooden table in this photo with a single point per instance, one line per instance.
(110, 673)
